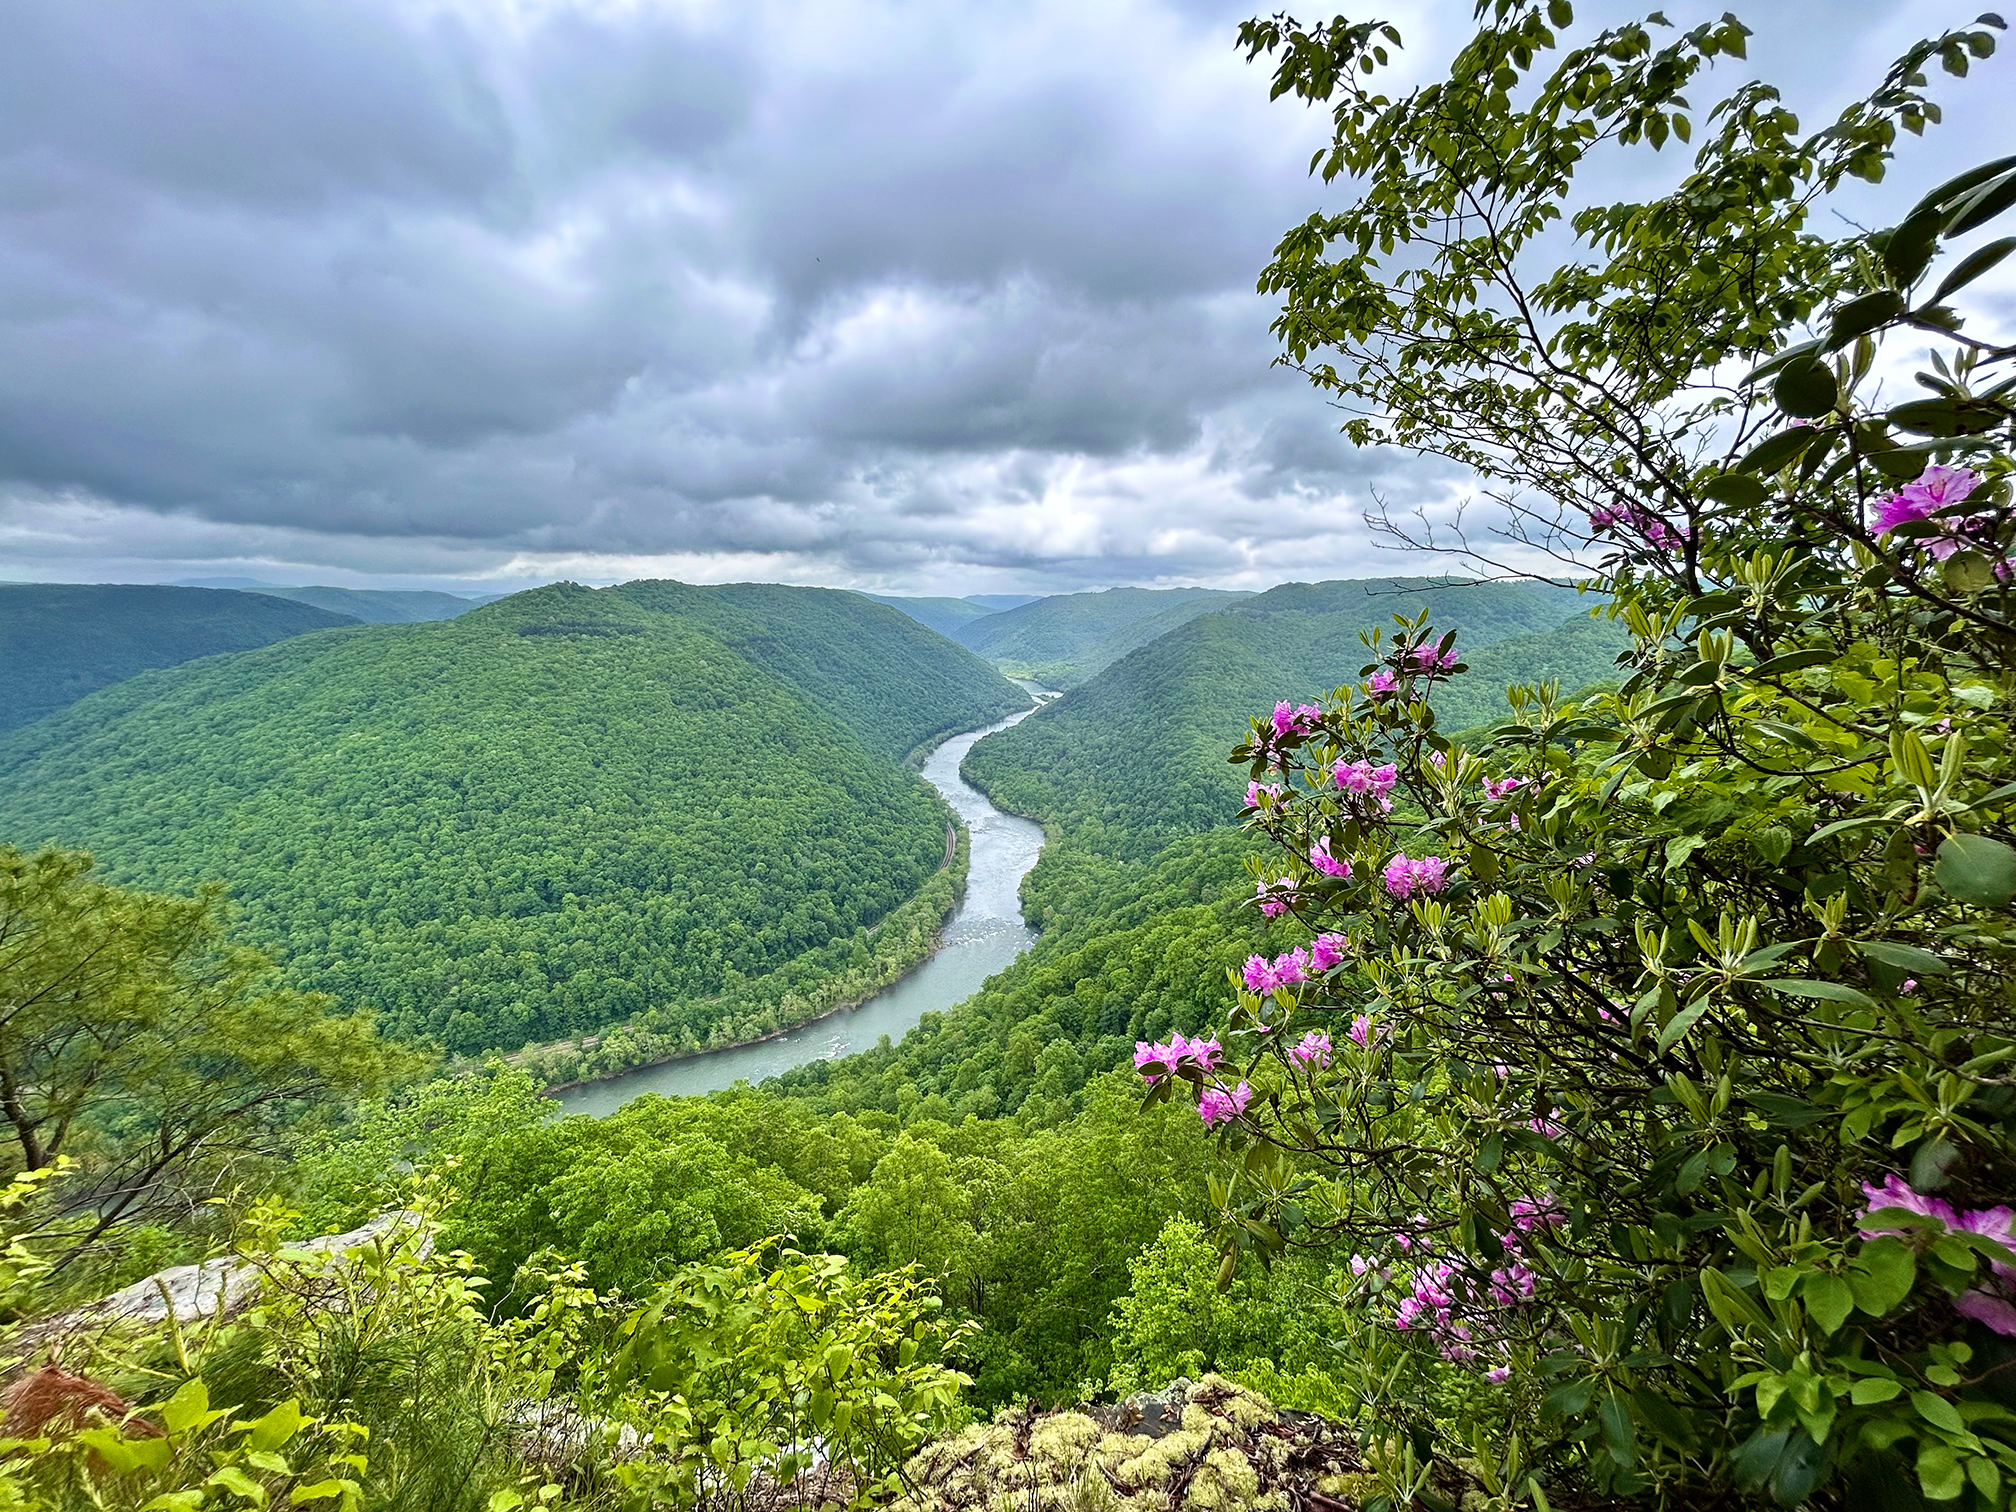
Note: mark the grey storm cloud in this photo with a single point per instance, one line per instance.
(920, 295)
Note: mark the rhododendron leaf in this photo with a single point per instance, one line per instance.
(1780, 451)
(1976, 869)
(1678, 1026)
(1833, 992)
(1738, 489)
(1972, 266)
(1903, 957)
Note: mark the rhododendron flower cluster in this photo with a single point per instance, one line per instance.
(1380, 682)
(1658, 531)
(1425, 658)
(1299, 719)
(1505, 787)
(1938, 487)
(1276, 897)
(1992, 1306)
(1326, 950)
(1166, 1059)
(1405, 877)
(1324, 862)
(1255, 791)
(1285, 970)
(1218, 1106)
(1361, 778)
(1364, 1031)
(1312, 1050)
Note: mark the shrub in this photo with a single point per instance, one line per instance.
(1651, 1058)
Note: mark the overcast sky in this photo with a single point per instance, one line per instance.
(937, 296)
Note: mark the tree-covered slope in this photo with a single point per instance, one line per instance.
(892, 682)
(1138, 753)
(60, 641)
(520, 824)
(944, 615)
(1065, 639)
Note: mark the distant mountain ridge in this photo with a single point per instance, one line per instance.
(1064, 639)
(62, 641)
(377, 606)
(1138, 753)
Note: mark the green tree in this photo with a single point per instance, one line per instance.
(137, 1041)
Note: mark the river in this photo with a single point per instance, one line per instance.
(986, 932)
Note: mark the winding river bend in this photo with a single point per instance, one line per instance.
(985, 933)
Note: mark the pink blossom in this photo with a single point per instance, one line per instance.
(1161, 1057)
(1988, 1308)
(1364, 1032)
(1202, 1052)
(1938, 487)
(1255, 790)
(1895, 1192)
(1275, 897)
(1423, 655)
(1292, 967)
(1218, 1106)
(1530, 1213)
(1503, 788)
(1997, 1223)
(1498, 1375)
(1259, 974)
(1360, 1265)
(1405, 877)
(1313, 1050)
(1380, 682)
(1300, 719)
(1323, 861)
(1545, 1127)
(1908, 986)
(1352, 776)
(1326, 950)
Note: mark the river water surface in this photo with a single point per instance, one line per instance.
(986, 932)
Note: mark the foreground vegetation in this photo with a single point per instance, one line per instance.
(1609, 1108)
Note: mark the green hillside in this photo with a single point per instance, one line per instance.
(1063, 640)
(892, 682)
(524, 823)
(1138, 753)
(375, 606)
(944, 615)
(60, 641)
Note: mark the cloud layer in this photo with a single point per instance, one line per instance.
(919, 295)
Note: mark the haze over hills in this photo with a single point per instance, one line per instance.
(533, 819)
(61, 641)
(378, 606)
(945, 615)
(1139, 752)
(891, 681)
(1064, 639)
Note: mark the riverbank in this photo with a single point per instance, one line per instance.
(985, 934)
(837, 977)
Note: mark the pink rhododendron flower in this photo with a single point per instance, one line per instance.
(1364, 1031)
(1275, 897)
(1300, 719)
(1259, 974)
(1938, 487)
(1312, 1050)
(1530, 1213)
(1202, 1052)
(1908, 986)
(1323, 861)
(1326, 950)
(1380, 682)
(1218, 1106)
(1254, 790)
(1896, 1192)
(1292, 967)
(1498, 1375)
(1405, 877)
(1504, 788)
(1987, 1308)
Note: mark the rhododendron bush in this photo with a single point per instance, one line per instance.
(1652, 1057)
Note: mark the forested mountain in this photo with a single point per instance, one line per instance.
(893, 683)
(60, 641)
(944, 615)
(377, 606)
(524, 823)
(1139, 751)
(1067, 638)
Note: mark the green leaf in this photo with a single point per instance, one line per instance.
(1881, 1275)
(1828, 1300)
(231, 1478)
(1862, 315)
(1939, 1474)
(1739, 490)
(1806, 389)
(1679, 1024)
(277, 1426)
(1903, 957)
(1975, 869)
(1833, 992)
(1780, 451)
(1973, 266)
(1983, 204)
(1873, 1390)
(1937, 1411)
